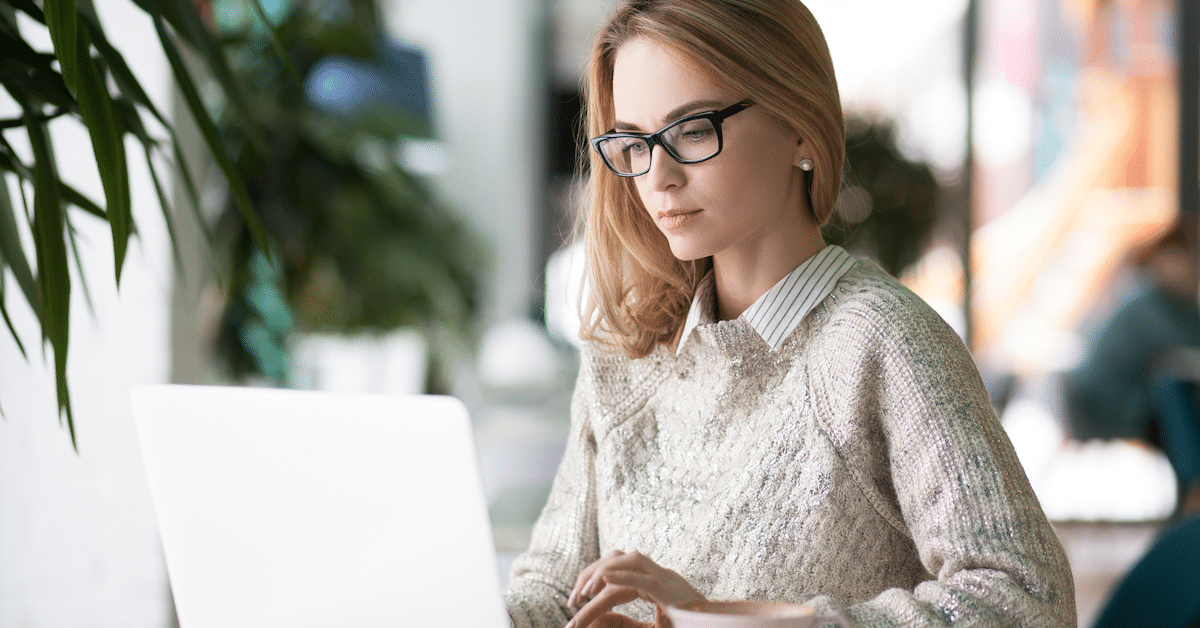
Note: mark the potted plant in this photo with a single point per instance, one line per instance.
(86, 78)
(358, 244)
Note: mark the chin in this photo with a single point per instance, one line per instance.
(689, 247)
(688, 254)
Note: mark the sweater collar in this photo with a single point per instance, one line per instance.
(777, 312)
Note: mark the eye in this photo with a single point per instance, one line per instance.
(695, 131)
(632, 147)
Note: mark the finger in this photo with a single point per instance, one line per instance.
(615, 560)
(603, 602)
(631, 562)
(590, 579)
(641, 582)
(587, 573)
(587, 577)
(583, 584)
(663, 587)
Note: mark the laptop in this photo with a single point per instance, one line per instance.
(301, 509)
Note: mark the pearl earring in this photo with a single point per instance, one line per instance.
(806, 165)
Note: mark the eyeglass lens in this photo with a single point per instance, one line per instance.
(687, 141)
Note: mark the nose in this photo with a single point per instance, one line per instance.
(664, 171)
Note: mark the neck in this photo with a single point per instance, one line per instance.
(742, 279)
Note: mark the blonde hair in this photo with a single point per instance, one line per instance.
(770, 52)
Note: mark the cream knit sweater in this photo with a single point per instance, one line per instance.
(858, 468)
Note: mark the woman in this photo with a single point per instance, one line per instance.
(759, 416)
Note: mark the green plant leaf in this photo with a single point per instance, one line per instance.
(97, 110)
(30, 81)
(189, 187)
(17, 123)
(8, 19)
(54, 278)
(10, 248)
(76, 198)
(183, 18)
(21, 171)
(30, 9)
(73, 239)
(62, 20)
(277, 45)
(8, 322)
(237, 188)
(69, 194)
(131, 121)
(178, 16)
(166, 211)
(15, 48)
(10, 163)
(121, 74)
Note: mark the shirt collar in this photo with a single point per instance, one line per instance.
(775, 314)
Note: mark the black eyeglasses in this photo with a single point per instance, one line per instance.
(688, 140)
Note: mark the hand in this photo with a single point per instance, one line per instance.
(623, 577)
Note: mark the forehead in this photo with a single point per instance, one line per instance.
(651, 81)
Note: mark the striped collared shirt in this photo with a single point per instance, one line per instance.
(775, 314)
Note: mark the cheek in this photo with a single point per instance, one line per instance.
(768, 170)
(749, 175)
(640, 190)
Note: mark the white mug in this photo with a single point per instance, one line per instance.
(715, 614)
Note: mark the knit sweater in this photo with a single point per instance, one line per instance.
(858, 468)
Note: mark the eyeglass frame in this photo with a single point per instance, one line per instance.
(716, 117)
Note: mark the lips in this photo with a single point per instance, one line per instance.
(676, 218)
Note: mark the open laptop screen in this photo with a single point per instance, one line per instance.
(297, 509)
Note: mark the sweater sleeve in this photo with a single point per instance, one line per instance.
(564, 538)
(902, 401)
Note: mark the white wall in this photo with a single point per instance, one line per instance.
(488, 92)
(78, 541)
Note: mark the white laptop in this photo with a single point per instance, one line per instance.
(297, 509)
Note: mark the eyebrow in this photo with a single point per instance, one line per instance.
(674, 114)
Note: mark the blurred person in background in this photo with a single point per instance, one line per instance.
(1138, 377)
(1163, 588)
(759, 416)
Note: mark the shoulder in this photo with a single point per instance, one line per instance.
(602, 362)
(869, 307)
(884, 363)
(618, 384)
(877, 343)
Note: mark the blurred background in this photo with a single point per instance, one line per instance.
(415, 170)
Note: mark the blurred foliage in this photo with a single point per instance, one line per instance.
(86, 79)
(361, 245)
(888, 206)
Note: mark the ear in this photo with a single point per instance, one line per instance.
(801, 154)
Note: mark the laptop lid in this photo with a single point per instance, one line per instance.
(299, 509)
